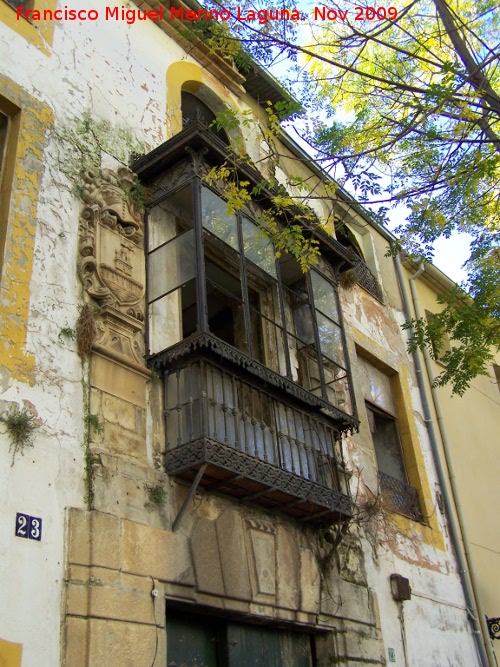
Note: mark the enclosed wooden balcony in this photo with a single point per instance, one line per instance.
(234, 437)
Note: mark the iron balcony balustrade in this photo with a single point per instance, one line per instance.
(234, 437)
(400, 497)
(364, 276)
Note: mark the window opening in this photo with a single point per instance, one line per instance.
(383, 428)
(382, 421)
(225, 306)
(194, 110)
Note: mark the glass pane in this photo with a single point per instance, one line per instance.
(171, 265)
(4, 126)
(215, 218)
(216, 275)
(172, 317)
(325, 298)
(387, 446)
(165, 318)
(337, 386)
(258, 248)
(170, 218)
(330, 336)
(290, 270)
(304, 327)
(297, 303)
(376, 385)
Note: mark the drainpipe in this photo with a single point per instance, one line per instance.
(476, 615)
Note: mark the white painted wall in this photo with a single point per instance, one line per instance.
(116, 73)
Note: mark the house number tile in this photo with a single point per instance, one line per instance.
(29, 527)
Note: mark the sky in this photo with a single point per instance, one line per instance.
(450, 254)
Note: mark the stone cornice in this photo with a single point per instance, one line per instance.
(221, 68)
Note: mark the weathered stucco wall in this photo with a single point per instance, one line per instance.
(470, 423)
(82, 595)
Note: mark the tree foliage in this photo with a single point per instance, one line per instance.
(411, 115)
(283, 219)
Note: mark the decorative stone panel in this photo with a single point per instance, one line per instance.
(230, 563)
(111, 263)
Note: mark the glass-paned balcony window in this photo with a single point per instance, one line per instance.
(215, 272)
(252, 350)
(171, 271)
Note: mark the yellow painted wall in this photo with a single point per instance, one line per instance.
(472, 423)
(18, 221)
(40, 34)
(10, 654)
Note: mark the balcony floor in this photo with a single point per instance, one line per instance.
(251, 480)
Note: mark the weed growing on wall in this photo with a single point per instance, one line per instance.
(66, 333)
(157, 495)
(93, 421)
(21, 426)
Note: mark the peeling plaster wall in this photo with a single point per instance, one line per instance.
(104, 69)
(118, 73)
(392, 543)
(471, 424)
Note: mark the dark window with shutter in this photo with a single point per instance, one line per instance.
(382, 421)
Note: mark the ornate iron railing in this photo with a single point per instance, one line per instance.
(364, 276)
(255, 443)
(401, 497)
(493, 627)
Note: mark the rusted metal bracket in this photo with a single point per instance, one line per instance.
(189, 496)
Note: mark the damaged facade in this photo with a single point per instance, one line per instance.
(237, 463)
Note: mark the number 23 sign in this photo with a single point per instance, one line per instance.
(28, 526)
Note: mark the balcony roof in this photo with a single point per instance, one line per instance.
(197, 136)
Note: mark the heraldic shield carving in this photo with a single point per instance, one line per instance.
(111, 262)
